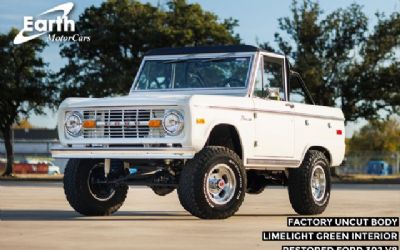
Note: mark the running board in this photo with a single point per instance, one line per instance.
(271, 163)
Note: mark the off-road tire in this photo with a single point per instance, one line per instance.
(77, 191)
(192, 183)
(299, 185)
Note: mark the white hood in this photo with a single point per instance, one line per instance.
(122, 101)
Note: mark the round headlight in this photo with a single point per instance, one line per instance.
(73, 123)
(173, 122)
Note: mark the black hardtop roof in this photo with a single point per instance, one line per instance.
(203, 49)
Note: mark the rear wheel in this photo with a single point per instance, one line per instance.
(212, 184)
(86, 191)
(310, 184)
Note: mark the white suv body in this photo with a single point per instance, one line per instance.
(188, 100)
(273, 134)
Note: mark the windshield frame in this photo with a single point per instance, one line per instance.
(250, 55)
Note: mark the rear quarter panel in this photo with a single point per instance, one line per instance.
(319, 126)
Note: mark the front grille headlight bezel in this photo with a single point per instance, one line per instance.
(73, 123)
(122, 123)
(173, 122)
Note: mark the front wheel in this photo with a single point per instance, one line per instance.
(86, 191)
(212, 184)
(310, 184)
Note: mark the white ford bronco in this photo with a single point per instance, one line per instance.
(213, 123)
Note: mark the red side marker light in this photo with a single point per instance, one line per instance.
(339, 132)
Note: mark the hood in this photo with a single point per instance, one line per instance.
(131, 100)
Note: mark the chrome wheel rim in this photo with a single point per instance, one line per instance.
(99, 191)
(220, 184)
(318, 183)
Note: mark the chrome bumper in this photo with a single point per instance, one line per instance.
(123, 153)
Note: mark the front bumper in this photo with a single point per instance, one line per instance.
(123, 153)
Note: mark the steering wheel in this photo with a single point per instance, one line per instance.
(233, 82)
(198, 78)
(155, 80)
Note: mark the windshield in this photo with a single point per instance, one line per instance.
(227, 72)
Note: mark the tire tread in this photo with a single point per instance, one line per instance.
(82, 203)
(299, 192)
(188, 192)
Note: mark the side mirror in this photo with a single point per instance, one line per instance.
(273, 94)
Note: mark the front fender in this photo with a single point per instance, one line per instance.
(214, 114)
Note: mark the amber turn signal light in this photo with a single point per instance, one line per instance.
(200, 121)
(89, 124)
(155, 123)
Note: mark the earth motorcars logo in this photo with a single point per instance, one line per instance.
(41, 26)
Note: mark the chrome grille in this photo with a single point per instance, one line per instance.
(123, 123)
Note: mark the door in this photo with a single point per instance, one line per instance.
(274, 122)
(310, 130)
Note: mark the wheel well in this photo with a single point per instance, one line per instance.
(225, 135)
(324, 151)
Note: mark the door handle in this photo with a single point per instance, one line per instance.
(289, 105)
